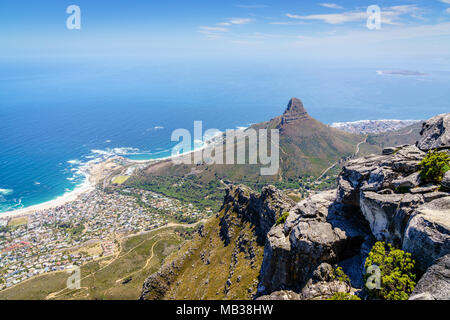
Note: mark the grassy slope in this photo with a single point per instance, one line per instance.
(99, 278)
(198, 279)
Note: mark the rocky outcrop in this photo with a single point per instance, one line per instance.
(323, 285)
(294, 112)
(377, 173)
(398, 207)
(229, 247)
(262, 210)
(379, 197)
(317, 230)
(435, 133)
(281, 295)
(435, 283)
(446, 181)
(427, 235)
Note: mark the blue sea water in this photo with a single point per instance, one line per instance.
(57, 115)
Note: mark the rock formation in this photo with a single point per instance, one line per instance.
(435, 283)
(379, 197)
(295, 111)
(224, 258)
(435, 133)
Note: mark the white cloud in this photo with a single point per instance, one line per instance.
(447, 10)
(389, 15)
(445, 1)
(236, 21)
(332, 5)
(214, 29)
(334, 18)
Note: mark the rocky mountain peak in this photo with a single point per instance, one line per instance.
(295, 105)
(295, 111)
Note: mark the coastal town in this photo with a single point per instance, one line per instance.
(83, 230)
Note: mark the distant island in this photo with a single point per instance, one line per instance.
(401, 73)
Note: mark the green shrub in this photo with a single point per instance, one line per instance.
(344, 296)
(396, 272)
(434, 165)
(282, 219)
(340, 275)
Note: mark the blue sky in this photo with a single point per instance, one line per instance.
(283, 29)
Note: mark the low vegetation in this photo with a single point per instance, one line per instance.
(344, 296)
(282, 219)
(390, 273)
(187, 189)
(340, 276)
(434, 165)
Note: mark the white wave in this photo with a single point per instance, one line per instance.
(76, 162)
(106, 152)
(6, 192)
(70, 179)
(125, 151)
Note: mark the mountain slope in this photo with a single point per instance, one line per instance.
(223, 260)
(307, 147)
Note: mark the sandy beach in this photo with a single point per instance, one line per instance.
(68, 197)
(95, 173)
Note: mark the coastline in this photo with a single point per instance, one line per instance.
(85, 187)
(93, 174)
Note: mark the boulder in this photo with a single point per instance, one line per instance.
(435, 283)
(281, 295)
(354, 174)
(378, 173)
(435, 133)
(434, 195)
(315, 232)
(380, 211)
(322, 286)
(411, 181)
(427, 235)
(424, 189)
(405, 161)
(389, 150)
(446, 181)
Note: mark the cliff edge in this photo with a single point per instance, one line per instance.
(378, 198)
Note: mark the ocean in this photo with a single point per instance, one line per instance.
(56, 115)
